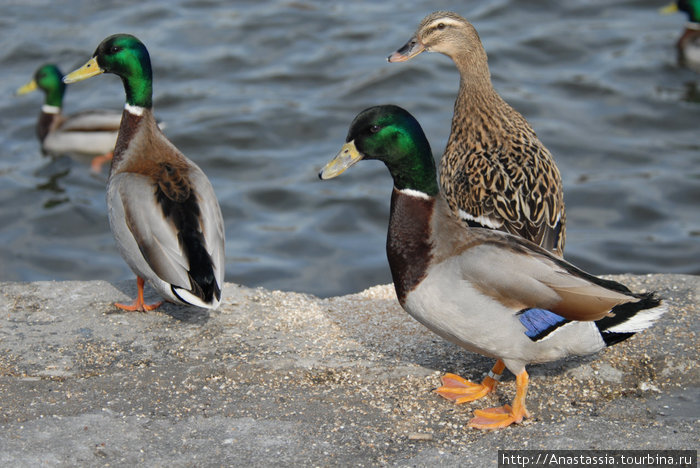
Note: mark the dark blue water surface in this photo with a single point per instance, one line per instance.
(260, 95)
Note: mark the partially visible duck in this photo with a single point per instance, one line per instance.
(688, 45)
(495, 172)
(163, 211)
(90, 132)
(485, 290)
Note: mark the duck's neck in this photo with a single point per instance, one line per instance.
(479, 112)
(473, 69)
(133, 118)
(54, 97)
(139, 85)
(408, 245)
(416, 169)
(49, 117)
(138, 108)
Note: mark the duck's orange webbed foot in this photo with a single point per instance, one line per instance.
(460, 390)
(497, 418)
(139, 304)
(98, 161)
(504, 416)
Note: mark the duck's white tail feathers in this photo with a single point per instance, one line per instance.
(643, 319)
(630, 318)
(189, 298)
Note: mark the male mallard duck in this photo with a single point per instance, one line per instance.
(495, 172)
(688, 44)
(162, 208)
(486, 290)
(90, 132)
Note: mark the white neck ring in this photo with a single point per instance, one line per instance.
(134, 110)
(415, 193)
(47, 109)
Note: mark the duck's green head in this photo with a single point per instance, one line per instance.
(691, 7)
(392, 135)
(126, 56)
(48, 79)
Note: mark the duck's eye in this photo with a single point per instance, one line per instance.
(441, 26)
(114, 49)
(374, 128)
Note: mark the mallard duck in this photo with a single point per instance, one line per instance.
(488, 291)
(688, 45)
(90, 132)
(162, 208)
(495, 172)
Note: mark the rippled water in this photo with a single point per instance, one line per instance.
(260, 95)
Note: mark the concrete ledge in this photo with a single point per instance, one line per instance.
(290, 379)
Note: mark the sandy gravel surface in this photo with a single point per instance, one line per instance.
(291, 379)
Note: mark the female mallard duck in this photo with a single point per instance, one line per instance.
(90, 132)
(162, 208)
(488, 291)
(494, 173)
(688, 44)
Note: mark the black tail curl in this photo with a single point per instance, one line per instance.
(613, 329)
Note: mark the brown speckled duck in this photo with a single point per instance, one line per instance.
(162, 208)
(495, 172)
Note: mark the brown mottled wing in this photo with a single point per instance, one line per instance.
(172, 181)
(516, 188)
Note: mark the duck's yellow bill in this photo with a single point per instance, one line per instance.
(347, 156)
(668, 9)
(28, 88)
(90, 69)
